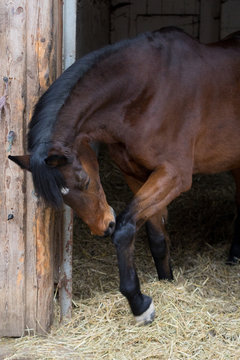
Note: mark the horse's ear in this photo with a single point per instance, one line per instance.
(56, 160)
(22, 160)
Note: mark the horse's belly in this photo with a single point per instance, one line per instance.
(218, 160)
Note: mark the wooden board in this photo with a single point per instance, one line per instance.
(12, 197)
(230, 17)
(210, 21)
(30, 59)
(199, 18)
(131, 18)
(92, 26)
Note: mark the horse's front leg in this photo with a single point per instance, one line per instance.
(123, 238)
(234, 254)
(162, 186)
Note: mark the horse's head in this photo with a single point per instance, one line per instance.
(83, 191)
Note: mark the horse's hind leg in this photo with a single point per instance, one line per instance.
(157, 236)
(234, 254)
(159, 244)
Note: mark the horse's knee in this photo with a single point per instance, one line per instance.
(125, 229)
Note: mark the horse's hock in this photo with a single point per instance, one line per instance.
(30, 60)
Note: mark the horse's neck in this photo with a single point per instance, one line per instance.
(87, 114)
(71, 118)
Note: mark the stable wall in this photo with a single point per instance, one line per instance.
(30, 60)
(207, 20)
(93, 25)
(100, 22)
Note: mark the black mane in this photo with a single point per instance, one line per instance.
(48, 181)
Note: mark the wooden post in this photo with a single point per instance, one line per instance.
(210, 21)
(30, 60)
(65, 288)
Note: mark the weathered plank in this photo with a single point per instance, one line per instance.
(188, 23)
(133, 17)
(12, 232)
(31, 38)
(43, 66)
(230, 17)
(92, 26)
(210, 20)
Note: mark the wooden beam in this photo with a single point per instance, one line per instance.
(31, 60)
(12, 199)
(210, 21)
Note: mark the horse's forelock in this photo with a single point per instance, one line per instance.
(48, 182)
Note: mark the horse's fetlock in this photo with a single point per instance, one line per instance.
(128, 290)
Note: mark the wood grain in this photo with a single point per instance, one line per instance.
(31, 59)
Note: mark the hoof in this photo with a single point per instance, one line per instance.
(147, 317)
(233, 260)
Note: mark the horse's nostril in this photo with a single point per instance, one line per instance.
(111, 228)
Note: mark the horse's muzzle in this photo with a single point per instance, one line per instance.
(112, 225)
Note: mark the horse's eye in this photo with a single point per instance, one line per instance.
(87, 184)
(83, 185)
(83, 180)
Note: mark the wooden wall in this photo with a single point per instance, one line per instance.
(207, 20)
(30, 60)
(93, 25)
(230, 17)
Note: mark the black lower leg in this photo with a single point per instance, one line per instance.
(234, 254)
(130, 288)
(160, 251)
(123, 239)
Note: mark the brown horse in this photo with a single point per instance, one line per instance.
(168, 107)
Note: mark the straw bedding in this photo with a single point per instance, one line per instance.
(197, 315)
